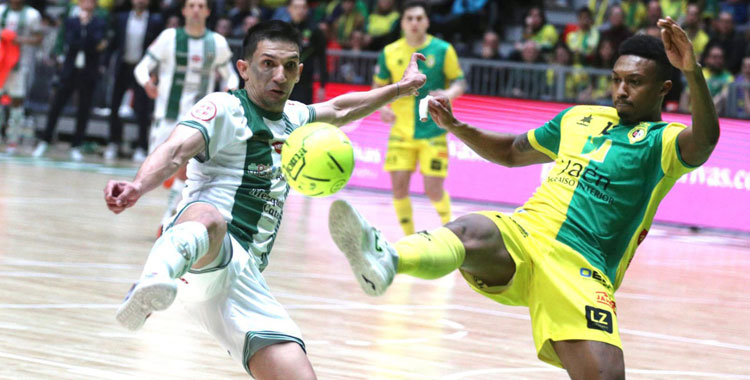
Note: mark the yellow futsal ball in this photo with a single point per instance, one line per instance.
(317, 159)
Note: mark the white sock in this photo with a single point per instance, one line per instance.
(177, 250)
(15, 124)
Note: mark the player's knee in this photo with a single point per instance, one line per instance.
(434, 193)
(476, 232)
(207, 215)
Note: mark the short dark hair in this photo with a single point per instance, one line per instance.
(648, 47)
(409, 4)
(273, 30)
(209, 4)
(583, 10)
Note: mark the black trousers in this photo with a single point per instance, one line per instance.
(142, 106)
(80, 83)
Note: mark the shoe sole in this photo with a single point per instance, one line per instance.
(146, 298)
(348, 232)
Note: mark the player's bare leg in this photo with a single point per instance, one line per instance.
(401, 202)
(193, 242)
(591, 360)
(486, 256)
(433, 188)
(281, 361)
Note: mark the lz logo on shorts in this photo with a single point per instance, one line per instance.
(598, 319)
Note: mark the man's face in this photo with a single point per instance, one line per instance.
(16, 3)
(385, 5)
(692, 16)
(139, 5)
(585, 21)
(271, 73)
(725, 23)
(224, 27)
(654, 10)
(715, 59)
(616, 17)
(534, 19)
(636, 88)
(87, 5)
(196, 11)
(298, 10)
(414, 22)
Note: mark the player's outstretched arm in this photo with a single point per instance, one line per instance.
(501, 148)
(697, 141)
(183, 144)
(356, 105)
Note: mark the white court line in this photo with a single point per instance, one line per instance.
(63, 277)
(68, 264)
(99, 374)
(740, 304)
(629, 371)
(673, 338)
(58, 306)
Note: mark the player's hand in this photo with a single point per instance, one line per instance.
(412, 80)
(442, 113)
(678, 46)
(387, 115)
(151, 90)
(120, 195)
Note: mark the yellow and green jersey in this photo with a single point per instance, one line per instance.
(441, 68)
(608, 179)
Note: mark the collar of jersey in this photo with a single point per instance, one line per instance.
(270, 115)
(427, 41)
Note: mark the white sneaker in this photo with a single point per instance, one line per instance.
(40, 150)
(110, 152)
(146, 296)
(76, 155)
(139, 155)
(371, 257)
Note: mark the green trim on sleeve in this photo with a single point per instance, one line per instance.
(313, 115)
(536, 145)
(202, 129)
(679, 154)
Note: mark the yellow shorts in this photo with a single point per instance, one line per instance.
(568, 298)
(403, 153)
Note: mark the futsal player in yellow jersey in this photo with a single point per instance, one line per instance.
(411, 139)
(565, 252)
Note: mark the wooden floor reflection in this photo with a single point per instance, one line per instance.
(66, 262)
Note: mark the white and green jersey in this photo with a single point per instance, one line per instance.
(25, 22)
(187, 68)
(239, 172)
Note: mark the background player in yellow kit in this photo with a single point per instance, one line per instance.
(412, 140)
(565, 252)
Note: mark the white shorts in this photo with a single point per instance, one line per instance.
(234, 304)
(15, 84)
(160, 131)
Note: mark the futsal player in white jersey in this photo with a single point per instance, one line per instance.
(220, 240)
(187, 60)
(27, 23)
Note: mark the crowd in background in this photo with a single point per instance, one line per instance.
(587, 36)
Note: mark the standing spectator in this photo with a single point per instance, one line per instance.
(536, 28)
(635, 14)
(26, 22)
(717, 77)
(412, 139)
(732, 42)
(133, 33)
(583, 41)
(617, 30)
(742, 84)
(382, 25)
(653, 14)
(693, 26)
(346, 18)
(312, 52)
(187, 59)
(674, 8)
(84, 41)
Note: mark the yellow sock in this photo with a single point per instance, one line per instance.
(443, 207)
(404, 214)
(430, 255)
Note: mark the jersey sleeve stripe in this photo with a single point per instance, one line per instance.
(381, 81)
(679, 155)
(150, 54)
(313, 115)
(536, 145)
(203, 131)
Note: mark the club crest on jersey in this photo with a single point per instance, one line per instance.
(277, 146)
(429, 60)
(637, 134)
(205, 110)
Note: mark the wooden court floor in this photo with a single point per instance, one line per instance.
(66, 262)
